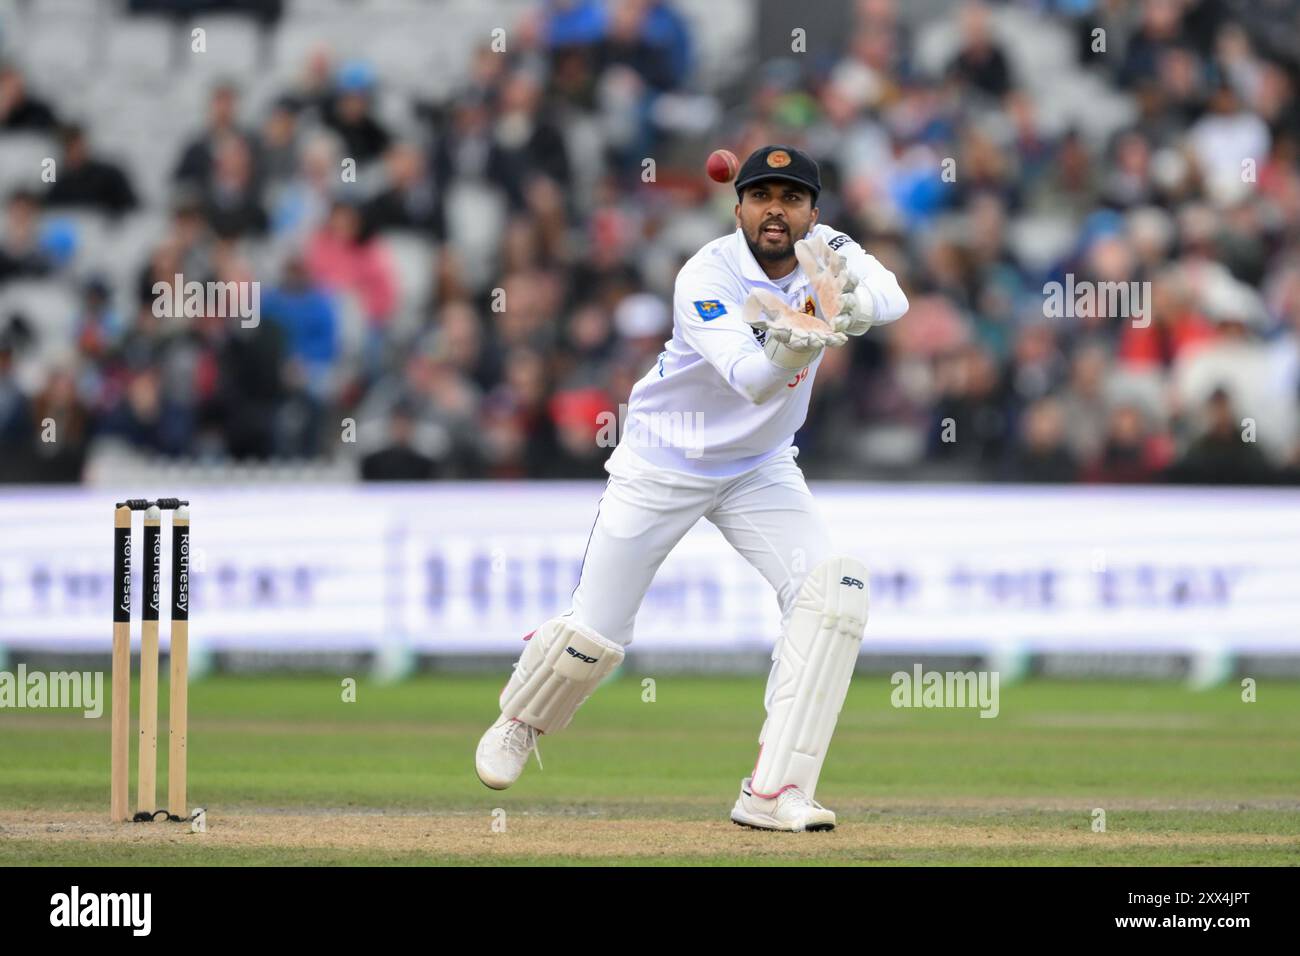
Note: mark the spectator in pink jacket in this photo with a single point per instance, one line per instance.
(345, 258)
(342, 256)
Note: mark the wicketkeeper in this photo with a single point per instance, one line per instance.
(752, 314)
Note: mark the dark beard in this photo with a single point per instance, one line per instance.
(771, 255)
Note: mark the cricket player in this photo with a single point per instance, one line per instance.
(753, 313)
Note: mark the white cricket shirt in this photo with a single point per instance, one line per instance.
(708, 407)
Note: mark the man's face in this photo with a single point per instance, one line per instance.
(774, 214)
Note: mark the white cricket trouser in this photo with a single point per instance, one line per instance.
(767, 514)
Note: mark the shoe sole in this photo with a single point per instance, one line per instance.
(812, 828)
(488, 785)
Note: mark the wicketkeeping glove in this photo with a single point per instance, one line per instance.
(793, 338)
(833, 285)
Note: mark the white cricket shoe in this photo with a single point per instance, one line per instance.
(503, 752)
(790, 810)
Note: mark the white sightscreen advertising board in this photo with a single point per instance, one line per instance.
(470, 568)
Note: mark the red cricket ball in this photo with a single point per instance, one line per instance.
(722, 165)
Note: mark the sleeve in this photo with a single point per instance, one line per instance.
(708, 314)
(873, 278)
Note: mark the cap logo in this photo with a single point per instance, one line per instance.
(778, 158)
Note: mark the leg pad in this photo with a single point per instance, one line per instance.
(814, 663)
(561, 666)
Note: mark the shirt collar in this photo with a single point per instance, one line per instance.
(749, 267)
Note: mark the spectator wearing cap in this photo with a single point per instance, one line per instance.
(570, 23)
(351, 113)
(86, 182)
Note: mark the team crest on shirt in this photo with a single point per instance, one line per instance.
(809, 307)
(709, 309)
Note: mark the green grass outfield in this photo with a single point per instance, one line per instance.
(290, 773)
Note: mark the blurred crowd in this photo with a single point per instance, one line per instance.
(521, 208)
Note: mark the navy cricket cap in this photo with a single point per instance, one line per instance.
(780, 162)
